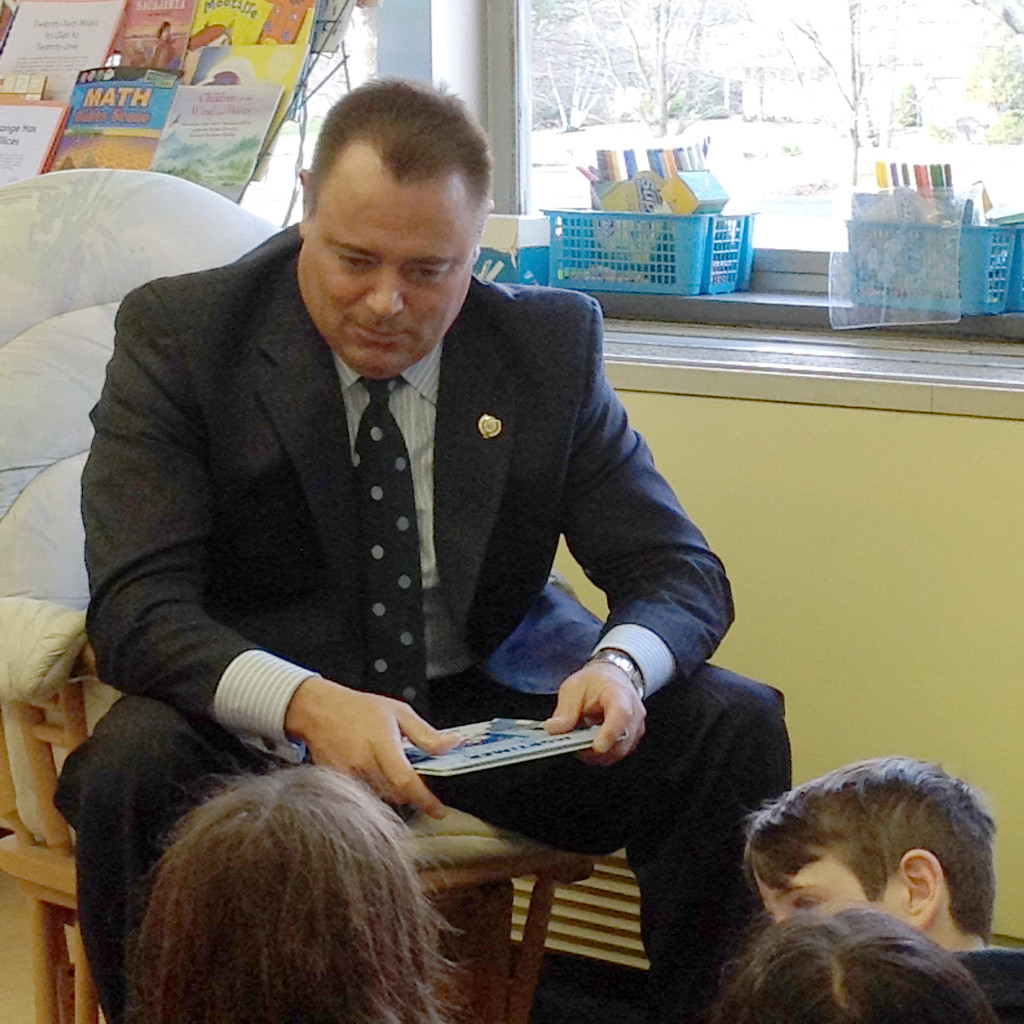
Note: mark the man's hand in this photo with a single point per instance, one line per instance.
(361, 734)
(601, 693)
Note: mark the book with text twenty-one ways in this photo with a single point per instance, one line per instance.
(154, 33)
(214, 134)
(57, 38)
(116, 117)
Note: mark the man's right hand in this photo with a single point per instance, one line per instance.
(361, 734)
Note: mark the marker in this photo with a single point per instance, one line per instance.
(947, 174)
(893, 176)
(629, 157)
(923, 183)
(905, 172)
(881, 174)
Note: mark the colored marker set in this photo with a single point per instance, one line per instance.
(665, 163)
(678, 182)
(928, 179)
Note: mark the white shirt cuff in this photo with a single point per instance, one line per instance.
(646, 648)
(253, 695)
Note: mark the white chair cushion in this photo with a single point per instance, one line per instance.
(74, 243)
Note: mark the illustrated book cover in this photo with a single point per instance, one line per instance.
(248, 65)
(154, 33)
(115, 119)
(501, 741)
(245, 22)
(214, 134)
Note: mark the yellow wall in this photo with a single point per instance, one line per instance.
(877, 561)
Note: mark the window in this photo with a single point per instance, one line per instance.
(275, 194)
(795, 101)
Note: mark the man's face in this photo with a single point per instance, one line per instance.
(825, 885)
(384, 267)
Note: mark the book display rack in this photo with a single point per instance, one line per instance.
(195, 88)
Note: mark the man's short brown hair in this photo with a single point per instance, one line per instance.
(869, 814)
(420, 133)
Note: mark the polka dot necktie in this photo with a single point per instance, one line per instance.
(396, 663)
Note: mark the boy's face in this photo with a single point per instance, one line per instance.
(825, 885)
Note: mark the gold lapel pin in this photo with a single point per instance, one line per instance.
(489, 426)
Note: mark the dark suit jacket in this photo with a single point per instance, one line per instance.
(218, 492)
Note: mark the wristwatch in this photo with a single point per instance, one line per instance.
(622, 660)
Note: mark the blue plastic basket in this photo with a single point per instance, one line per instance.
(1015, 284)
(728, 254)
(627, 252)
(894, 264)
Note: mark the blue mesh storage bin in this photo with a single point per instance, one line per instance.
(592, 250)
(728, 254)
(894, 264)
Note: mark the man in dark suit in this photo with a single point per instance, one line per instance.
(240, 592)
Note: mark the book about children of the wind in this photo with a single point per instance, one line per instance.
(116, 117)
(214, 135)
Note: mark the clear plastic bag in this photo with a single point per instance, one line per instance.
(902, 264)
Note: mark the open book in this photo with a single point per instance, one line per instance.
(501, 741)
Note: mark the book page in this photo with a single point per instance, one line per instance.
(28, 131)
(58, 38)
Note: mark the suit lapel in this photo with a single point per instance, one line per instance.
(473, 442)
(302, 395)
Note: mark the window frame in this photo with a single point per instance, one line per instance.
(789, 288)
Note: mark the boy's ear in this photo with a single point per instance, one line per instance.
(922, 888)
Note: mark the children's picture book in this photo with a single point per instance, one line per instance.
(29, 130)
(501, 741)
(116, 117)
(154, 33)
(247, 22)
(58, 38)
(248, 65)
(214, 134)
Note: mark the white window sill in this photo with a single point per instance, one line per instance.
(780, 348)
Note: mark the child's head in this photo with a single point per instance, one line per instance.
(288, 897)
(891, 831)
(857, 967)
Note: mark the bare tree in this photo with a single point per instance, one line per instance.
(1010, 12)
(647, 48)
(836, 49)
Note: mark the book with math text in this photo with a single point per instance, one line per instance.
(116, 117)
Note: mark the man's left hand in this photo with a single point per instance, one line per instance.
(601, 693)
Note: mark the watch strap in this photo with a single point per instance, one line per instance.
(622, 660)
